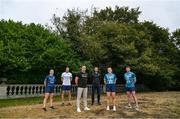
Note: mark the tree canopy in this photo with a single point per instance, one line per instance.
(108, 37)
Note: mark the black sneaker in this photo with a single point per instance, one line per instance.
(44, 109)
(62, 104)
(99, 103)
(69, 104)
(52, 107)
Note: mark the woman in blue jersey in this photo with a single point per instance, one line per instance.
(110, 82)
(49, 84)
(130, 79)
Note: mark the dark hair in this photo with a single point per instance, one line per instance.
(67, 66)
(109, 67)
(128, 67)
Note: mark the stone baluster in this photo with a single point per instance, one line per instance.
(21, 90)
(29, 90)
(37, 90)
(17, 90)
(33, 90)
(40, 89)
(8, 90)
(25, 90)
(12, 90)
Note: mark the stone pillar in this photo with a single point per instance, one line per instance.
(3, 88)
(3, 91)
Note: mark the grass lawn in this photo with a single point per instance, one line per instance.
(152, 105)
(23, 101)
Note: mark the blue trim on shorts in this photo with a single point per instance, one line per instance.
(49, 89)
(110, 88)
(66, 88)
(130, 89)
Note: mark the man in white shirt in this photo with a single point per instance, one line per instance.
(66, 79)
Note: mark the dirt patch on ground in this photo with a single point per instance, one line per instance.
(152, 105)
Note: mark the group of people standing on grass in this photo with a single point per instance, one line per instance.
(81, 81)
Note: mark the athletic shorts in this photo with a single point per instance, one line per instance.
(110, 88)
(66, 88)
(49, 89)
(130, 89)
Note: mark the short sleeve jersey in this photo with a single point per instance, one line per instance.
(110, 78)
(130, 79)
(66, 78)
(50, 80)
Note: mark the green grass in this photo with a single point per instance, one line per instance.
(23, 101)
(27, 101)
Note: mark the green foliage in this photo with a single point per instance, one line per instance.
(108, 37)
(32, 49)
(118, 15)
(116, 38)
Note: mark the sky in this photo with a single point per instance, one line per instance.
(165, 13)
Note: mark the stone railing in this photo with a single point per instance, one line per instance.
(36, 90)
(32, 90)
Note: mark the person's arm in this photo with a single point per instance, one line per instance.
(62, 77)
(134, 78)
(45, 81)
(105, 80)
(115, 79)
(71, 78)
(76, 80)
(100, 77)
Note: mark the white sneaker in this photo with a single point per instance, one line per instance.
(114, 108)
(107, 108)
(86, 108)
(129, 106)
(137, 108)
(78, 110)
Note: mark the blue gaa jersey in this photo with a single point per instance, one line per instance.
(110, 78)
(50, 80)
(130, 79)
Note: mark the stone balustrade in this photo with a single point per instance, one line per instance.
(32, 90)
(36, 90)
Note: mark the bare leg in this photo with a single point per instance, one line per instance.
(108, 98)
(69, 95)
(51, 99)
(114, 98)
(46, 96)
(134, 98)
(129, 98)
(62, 96)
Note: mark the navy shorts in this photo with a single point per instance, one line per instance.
(66, 88)
(49, 89)
(110, 88)
(130, 89)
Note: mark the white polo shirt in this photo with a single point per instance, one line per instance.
(66, 78)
